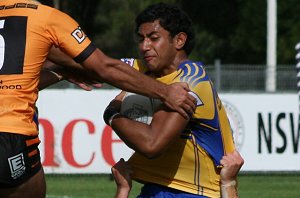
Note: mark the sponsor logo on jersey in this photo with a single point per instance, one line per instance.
(3, 86)
(79, 35)
(10, 87)
(128, 61)
(236, 123)
(19, 5)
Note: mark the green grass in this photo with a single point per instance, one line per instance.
(83, 186)
(269, 186)
(102, 186)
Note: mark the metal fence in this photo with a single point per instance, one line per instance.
(251, 78)
(236, 78)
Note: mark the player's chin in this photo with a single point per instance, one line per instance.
(151, 67)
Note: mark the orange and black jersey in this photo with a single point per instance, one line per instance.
(27, 32)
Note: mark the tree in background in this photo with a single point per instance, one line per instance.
(231, 30)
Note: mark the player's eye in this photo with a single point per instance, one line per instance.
(154, 38)
(140, 39)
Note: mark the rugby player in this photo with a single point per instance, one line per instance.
(175, 156)
(28, 31)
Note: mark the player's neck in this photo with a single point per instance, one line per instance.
(180, 58)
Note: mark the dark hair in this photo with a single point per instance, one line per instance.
(172, 19)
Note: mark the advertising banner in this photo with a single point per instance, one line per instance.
(75, 139)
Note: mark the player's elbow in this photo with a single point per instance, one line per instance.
(152, 150)
(151, 155)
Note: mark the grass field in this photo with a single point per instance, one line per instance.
(101, 186)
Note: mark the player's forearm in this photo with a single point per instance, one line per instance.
(229, 190)
(48, 78)
(122, 192)
(121, 75)
(138, 136)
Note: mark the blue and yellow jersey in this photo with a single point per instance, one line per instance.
(27, 31)
(192, 163)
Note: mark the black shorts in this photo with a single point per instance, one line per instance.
(19, 158)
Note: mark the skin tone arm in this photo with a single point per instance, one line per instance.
(232, 163)
(48, 78)
(115, 72)
(121, 172)
(149, 140)
(52, 73)
(152, 140)
(59, 66)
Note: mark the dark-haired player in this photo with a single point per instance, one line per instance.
(175, 156)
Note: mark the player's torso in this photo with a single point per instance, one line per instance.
(186, 165)
(27, 32)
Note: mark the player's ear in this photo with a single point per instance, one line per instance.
(180, 40)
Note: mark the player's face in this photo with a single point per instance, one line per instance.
(156, 48)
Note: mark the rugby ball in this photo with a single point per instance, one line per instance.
(139, 108)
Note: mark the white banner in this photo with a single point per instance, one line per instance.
(75, 138)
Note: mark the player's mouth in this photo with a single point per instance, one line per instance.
(148, 58)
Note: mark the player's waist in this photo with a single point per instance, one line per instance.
(16, 116)
(184, 186)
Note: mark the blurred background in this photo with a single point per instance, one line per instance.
(248, 48)
(231, 37)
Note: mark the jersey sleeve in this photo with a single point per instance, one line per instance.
(214, 133)
(66, 34)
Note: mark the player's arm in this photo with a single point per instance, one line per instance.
(120, 75)
(149, 140)
(121, 172)
(48, 77)
(60, 66)
(232, 163)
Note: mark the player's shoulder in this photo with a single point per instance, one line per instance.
(192, 68)
(192, 72)
(189, 64)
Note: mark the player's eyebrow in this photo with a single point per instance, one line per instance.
(147, 35)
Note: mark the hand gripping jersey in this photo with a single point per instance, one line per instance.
(192, 163)
(27, 31)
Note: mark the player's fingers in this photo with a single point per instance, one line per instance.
(185, 86)
(84, 86)
(191, 99)
(185, 112)
(224, 161)
(192, 102)
(189, 109)
(97, 85)
(238, 158)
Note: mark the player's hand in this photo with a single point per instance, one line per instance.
(121, 172)
(84, 84)
(180, 100)
(232, 163)
(76, 75)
